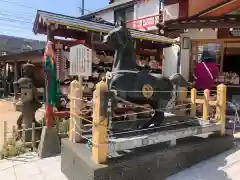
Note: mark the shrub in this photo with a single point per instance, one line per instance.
(12, 149)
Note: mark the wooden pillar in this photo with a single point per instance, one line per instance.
(76, 104)
(179, 59)
(222, 56)
(5, 79)
(206, 104)
(100, 124)
(89, 39)
(221, 106)
(15, 71)
(159, 56)
(193, 102)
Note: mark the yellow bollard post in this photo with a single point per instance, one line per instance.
(218, 108)
(193, 102)
(76, 104)
(182, 95)
(206, 104)
(222, 101)
(100, 124)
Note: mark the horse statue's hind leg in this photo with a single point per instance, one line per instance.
(157, 118)
(164, 98)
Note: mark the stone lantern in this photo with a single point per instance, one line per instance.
(29, 102)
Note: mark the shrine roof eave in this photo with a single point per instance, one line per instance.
(16, 56)
(227, 21)
(44, 18)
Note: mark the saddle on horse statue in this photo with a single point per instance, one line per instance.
(139, 87)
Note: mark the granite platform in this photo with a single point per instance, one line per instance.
(155, 162)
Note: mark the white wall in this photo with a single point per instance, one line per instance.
(107, 16)
(141, 9)
(171, 12)
(170, 60)
(193, 34)
(145, 9)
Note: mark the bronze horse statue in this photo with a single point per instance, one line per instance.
(139, 87)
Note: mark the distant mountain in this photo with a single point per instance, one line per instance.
(13, 45)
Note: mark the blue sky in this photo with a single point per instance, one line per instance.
(17, 16)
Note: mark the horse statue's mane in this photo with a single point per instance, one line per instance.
(123, 43)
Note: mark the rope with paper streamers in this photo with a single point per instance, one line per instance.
(232, 105)
(110, 134)
(99, 123)
(147, 110)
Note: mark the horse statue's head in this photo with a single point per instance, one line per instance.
(121, 40)
(120, 36)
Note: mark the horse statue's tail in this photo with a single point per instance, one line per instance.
(178, 80)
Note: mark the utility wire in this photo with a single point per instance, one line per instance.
(17, 16)
(18, 4)
(8, 30)
(15, 29)
(14, 20)
(12, 25)
(26, 6)
(17, 13)
(15, 26)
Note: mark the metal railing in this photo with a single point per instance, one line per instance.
(145, 22)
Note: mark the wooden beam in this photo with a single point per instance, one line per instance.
(223, 9)
(170, 2)
(5, 78)
(50, 35)
(204, 41)
(227, 21)
(203, 25)
(70, 33)
(222, 56)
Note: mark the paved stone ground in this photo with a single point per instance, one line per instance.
(29, 167)
(225, 166)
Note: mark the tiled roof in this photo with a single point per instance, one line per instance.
(48, 17)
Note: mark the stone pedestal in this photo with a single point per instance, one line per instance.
(155, 162)
(50, 143)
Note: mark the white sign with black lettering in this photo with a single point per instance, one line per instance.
(80, 61)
